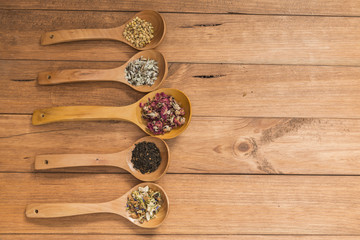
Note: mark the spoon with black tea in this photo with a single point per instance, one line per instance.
(120, 159)
(116, 33)
(117, 206)
(114, 74)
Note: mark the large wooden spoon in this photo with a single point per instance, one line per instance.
(115, 74)
(117, 206)
(120, 159)
(130, 113)
(116, 33)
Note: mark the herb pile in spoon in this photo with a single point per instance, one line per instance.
(143, 204)
(162, 114)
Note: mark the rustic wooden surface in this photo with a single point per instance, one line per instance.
(196, 38)
(272, 151)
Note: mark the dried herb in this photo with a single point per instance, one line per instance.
(143, 204)
(142, 71)
(162, 114)
(146, 157)
(139, 32)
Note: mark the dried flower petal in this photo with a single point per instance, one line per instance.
(163, 113)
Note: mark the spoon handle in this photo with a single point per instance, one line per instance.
(83, 113)
(61, 36)
(80, 75)
(52, 210)
(78, 160)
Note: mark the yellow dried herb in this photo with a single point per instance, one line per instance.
(139, 32)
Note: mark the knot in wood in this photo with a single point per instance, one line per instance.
(244, 146)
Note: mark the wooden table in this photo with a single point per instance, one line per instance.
(272, 151)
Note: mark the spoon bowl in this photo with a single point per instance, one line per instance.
(114, 74)
(120, 159)
(116, 33)
(130, 113)
(117, 206)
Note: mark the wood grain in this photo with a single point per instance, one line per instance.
(213, 89)
(288, 7)
(209, 145)
(198, 203)
(174, 237)
(215, 38)
(259, 108)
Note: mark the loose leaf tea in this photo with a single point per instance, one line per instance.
(142, 71)
(162, 113)
(146, 157)
(139, 32)
(143, 204)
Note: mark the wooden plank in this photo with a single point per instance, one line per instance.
(174, 237)
(199, 38)
(214, 89)
(199, 204)
(209, 145)
(288, 7)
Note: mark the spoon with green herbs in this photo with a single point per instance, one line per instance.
(119, 74)
(117, 206)
(127, 159)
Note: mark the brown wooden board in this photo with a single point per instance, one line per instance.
(199, 204)
(207, 38)
(175, 237)
(287, 7)
(209, 145)
(214, 89)
(271, 152)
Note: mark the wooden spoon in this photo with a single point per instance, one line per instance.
(116, 33)
(115, 74)
(120, 159)
(117, 206)
(130, 113)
